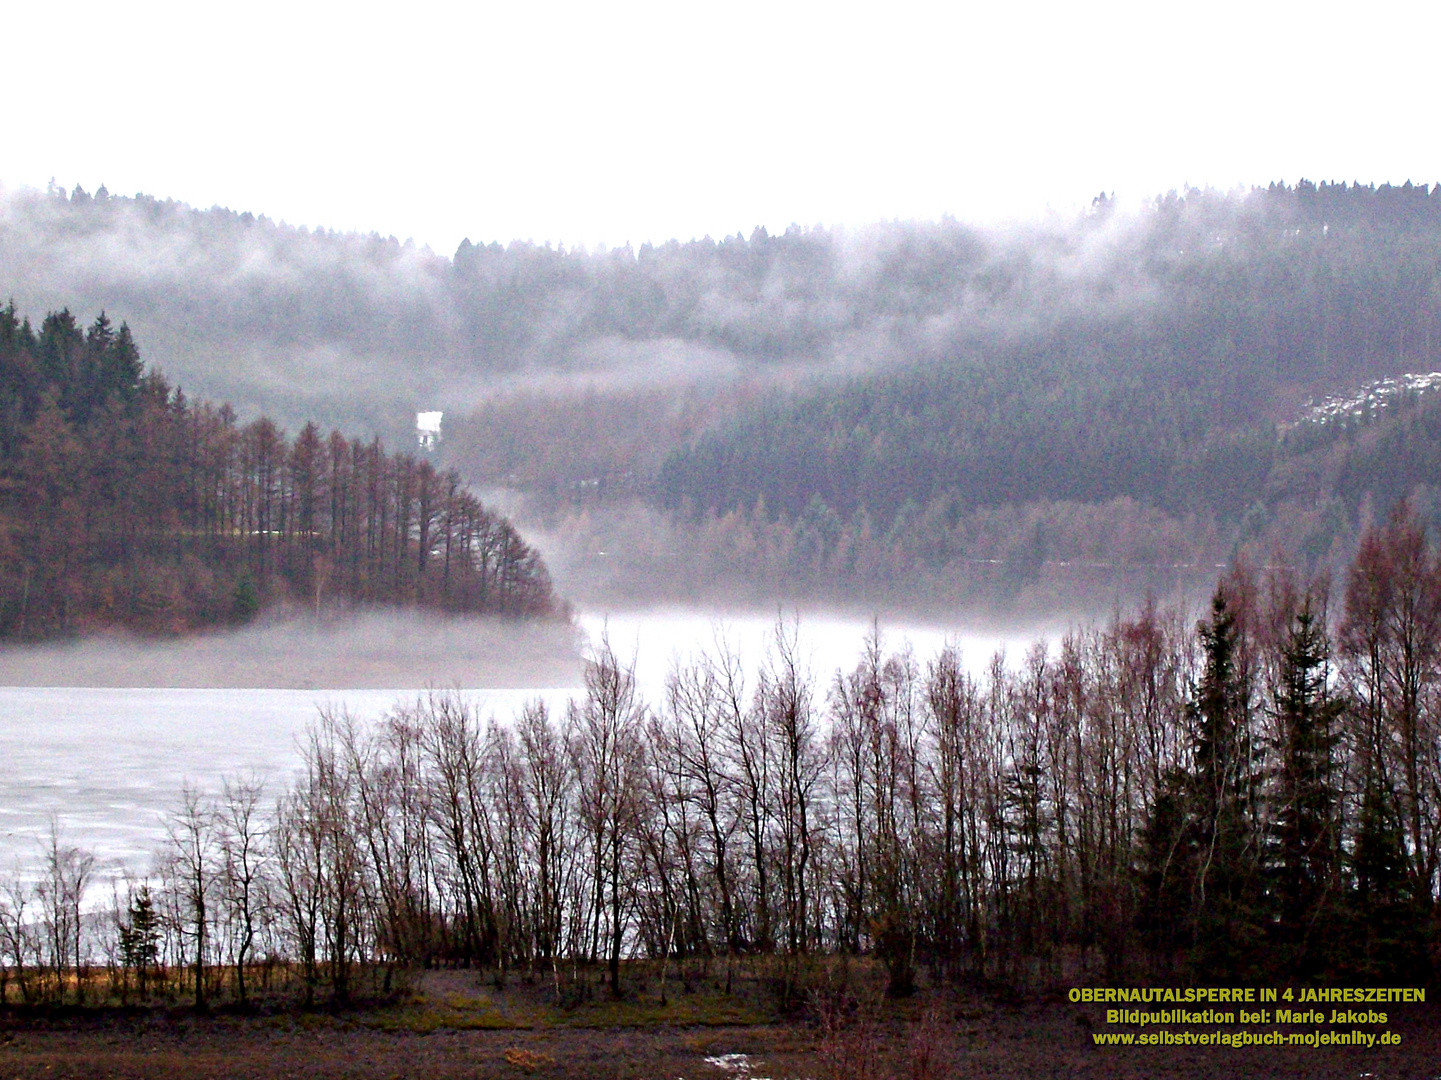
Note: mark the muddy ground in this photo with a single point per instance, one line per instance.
(456, 1026)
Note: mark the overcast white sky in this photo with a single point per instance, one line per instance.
(615, 122)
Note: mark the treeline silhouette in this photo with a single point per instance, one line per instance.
(127, 504)
(1253, 798)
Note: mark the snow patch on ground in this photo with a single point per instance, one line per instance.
(1371, 399)
(739, 1065)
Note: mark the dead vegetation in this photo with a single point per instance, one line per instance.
(458, 1023)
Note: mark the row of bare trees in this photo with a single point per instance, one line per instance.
(1149, 795)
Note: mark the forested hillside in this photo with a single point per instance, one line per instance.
(921, 478)
(124, 503)
(1297, 287)
(908, 409)
(1162, 365)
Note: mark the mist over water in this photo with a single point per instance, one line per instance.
(661, 639)
(104, 758)
(365, 650)
(100, 735)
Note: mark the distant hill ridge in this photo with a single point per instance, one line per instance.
(1331, 282)
(881, 404)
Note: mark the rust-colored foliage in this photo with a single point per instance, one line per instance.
(125, 503)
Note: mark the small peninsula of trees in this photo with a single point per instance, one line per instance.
(1251, 797)
(126, 504)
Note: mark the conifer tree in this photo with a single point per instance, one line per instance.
(140, 937)
(1200, 854)
(1224, 891)
(1305, 837)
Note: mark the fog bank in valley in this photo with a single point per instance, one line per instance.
(911, 417)
(372, 650)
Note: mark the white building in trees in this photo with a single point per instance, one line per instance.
(427, 429)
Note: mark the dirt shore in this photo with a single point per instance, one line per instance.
(446, 1037)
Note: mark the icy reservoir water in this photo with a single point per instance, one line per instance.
(104, 764)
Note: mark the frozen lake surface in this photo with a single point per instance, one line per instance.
(105, 764)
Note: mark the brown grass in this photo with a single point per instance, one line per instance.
(457, 1024)
(528, 1060)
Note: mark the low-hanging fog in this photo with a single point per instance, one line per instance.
(917, 416)
(368, 649)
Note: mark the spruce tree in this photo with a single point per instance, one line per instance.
(1225, 894)
(1305, 840)
(140, 937)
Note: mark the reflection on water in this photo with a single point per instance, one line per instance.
(105, 764)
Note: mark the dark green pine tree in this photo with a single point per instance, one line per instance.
(61, 346)
(140, 938)
(1387, 940)
(1305, 840)
(1378, 862)
(119, 368)
(1167, 864)
(1226, 893)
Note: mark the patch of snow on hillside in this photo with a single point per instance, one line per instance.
(1371, 399)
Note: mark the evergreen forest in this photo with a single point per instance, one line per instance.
(126, 504)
